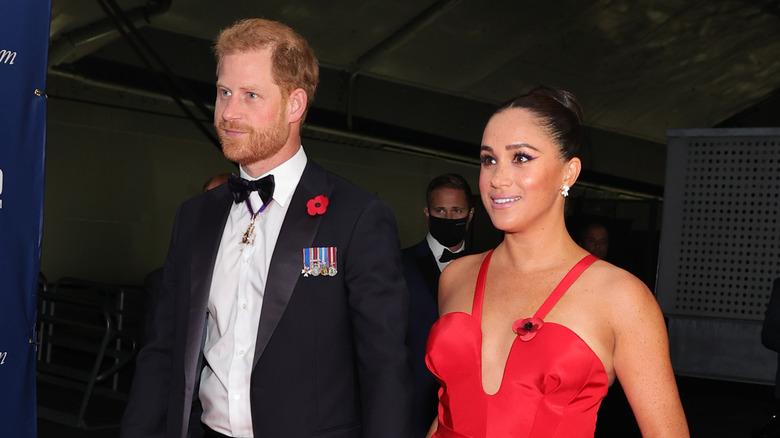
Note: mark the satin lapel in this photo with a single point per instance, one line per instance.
(211, 224)
(298, 231)
(429, 270)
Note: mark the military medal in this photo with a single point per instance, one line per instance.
(249, 234)
(319, 261)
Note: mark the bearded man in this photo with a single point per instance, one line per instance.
(284, 309)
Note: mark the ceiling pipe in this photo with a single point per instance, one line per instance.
(318, 132)
(75, 44)
(397, 38)
(311, 131)
(588, 180)
(148, 56)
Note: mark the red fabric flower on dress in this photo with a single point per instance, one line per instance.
(526, 328)
(317, 205)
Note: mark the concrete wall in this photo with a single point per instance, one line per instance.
(120, 160)
(114, 177)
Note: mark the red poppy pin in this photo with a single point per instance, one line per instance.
(317, 205)
(526, 328)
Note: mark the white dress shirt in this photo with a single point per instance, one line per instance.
(235, 302)
(437, 249)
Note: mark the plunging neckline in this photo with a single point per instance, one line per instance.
(552, 383)
(551, 300)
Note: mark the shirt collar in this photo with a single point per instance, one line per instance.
(437, 249)
(286, 177)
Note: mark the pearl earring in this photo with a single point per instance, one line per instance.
(565, 191)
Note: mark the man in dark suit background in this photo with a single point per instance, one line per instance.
(449, 211)
(283, 309)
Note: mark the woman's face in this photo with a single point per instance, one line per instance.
(522, 172)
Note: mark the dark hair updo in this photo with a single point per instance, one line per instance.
(559, 113)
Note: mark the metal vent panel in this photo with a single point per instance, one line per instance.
(720, 241)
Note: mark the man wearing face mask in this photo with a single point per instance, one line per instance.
(449, 211)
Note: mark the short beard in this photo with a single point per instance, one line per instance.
(260, 146)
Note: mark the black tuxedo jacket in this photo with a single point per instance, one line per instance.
(330, 359)
(422, 278)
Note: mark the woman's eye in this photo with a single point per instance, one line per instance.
(487, 160)
(522, 158)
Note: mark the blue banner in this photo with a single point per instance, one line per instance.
(24, 42)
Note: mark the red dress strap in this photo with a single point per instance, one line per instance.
(479, 292)
(563, 286)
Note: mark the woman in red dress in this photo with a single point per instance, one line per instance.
(532, 334)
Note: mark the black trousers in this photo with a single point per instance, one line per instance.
(208, 433)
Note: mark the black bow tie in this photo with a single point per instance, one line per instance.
(448, 256)
(241, 188)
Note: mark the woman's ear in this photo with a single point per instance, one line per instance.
(572, 171)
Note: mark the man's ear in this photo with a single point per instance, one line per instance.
(298, 101)
(425, 210)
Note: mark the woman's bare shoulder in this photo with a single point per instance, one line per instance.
(463, 268)
(620, 292)
(457, 283)
(612, 279)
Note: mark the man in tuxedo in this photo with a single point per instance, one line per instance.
(449, 211)
(283, 310)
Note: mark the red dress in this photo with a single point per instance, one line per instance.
(553, 382)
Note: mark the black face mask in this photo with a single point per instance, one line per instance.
(448, 232)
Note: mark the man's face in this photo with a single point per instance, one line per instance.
(250, 112)
(596, 241)
(448, 203)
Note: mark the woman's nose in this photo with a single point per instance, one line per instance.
(500, 176)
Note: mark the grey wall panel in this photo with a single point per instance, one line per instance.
(719, 348)
(720, 247)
